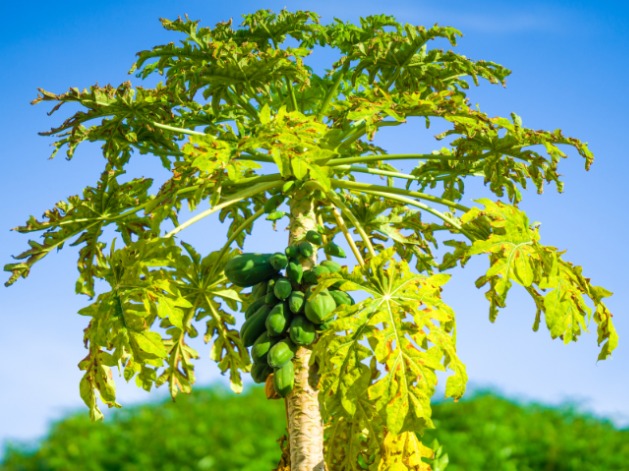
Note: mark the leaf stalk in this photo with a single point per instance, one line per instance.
(256, 189)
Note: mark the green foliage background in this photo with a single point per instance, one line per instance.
(485, 432)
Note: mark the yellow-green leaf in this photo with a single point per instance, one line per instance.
(149, 342)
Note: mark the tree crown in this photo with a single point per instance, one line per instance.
(242, 121)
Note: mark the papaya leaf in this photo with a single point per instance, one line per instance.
(403, 327)
(216, 157)
(388, 220)
(97, 377)
(84, 219)
(560, 291)
(123, 319)
(404, 452)
(353, 439)
(203, 284)
(123, 117)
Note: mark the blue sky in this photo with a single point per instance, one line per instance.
(569, 71)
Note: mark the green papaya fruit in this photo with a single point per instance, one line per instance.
(249, 269)
(260, 371)
(273, 203)
(320, 307)
(296, 301)
(311, 276)
(282, 288)
(314, 237)
(261, 347)
(342, 298)
(278, 320)
(259, 290)
(253, 307)
(280, 353)
(334, 250)
(270, 284)
(291, 251)
(294, 272)
(270, 299)
(302, 331)
(331, 265)
(320, 270)
(306, 250)
(284, 379)
(254, 326)
(278, 260)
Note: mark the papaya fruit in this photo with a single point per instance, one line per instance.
(278, 260)
(253, 307)
(280, 353)
(314, 237)
(296, 301)
(302, 331)
(320, 307)
(269, 388)
(341, 298)
(278, 320)
(291, 251)
(270, 299)
(306, 250)
(260, 371)
(282, 288)
(270, 284)
(331, 265)
(311, 276)
(334, 250)
(273, 203)
(320, 270)
(258, 290)
(249, 269)
(253, 327)
(284, 379)
(261, 347)
(294, 272)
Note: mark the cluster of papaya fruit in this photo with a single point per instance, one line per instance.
(284, 313)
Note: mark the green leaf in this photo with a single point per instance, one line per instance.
(204, 285)
(299, 168)
(149, 342)
(522, 270)
(84, 220)
(560, 291)
(408, 330)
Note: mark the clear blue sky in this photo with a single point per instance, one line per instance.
(569, 62)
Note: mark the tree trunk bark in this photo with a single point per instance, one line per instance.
(305, 427)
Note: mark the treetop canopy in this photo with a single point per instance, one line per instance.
(240, 117)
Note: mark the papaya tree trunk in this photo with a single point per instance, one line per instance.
(305, 427)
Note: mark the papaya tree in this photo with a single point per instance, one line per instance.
(248, 129)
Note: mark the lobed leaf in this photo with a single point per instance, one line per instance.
(84, 218)
(388, 347)
(559, 289)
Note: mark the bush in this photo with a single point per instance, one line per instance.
(213, 429)
(491, 433)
